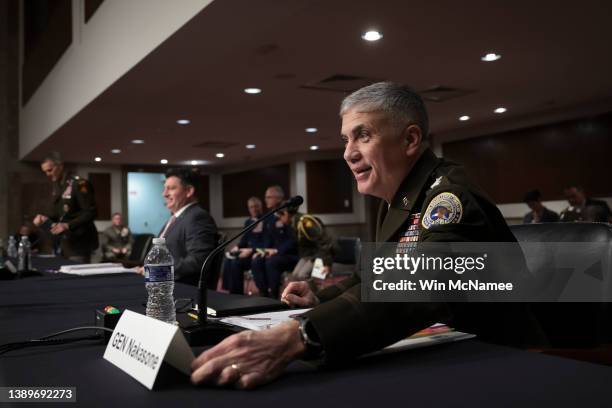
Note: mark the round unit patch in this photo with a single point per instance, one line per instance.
(445, 208)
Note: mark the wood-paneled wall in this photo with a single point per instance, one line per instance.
(47, 27)
(101, 183)
(549, 158)
(329, 187)
(238, 187)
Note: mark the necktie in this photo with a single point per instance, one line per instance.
(168, 224)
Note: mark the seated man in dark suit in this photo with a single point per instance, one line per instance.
(538, 213)
(242, 253)
(191, 233)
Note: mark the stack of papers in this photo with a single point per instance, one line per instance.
(436, 334)
(95, 269)
(262, 321)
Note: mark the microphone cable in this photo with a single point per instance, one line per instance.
(48, 340)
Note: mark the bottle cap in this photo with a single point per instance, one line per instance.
(157, 241)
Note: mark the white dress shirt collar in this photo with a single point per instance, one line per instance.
(182, 210)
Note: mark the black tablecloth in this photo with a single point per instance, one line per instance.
(468, 373)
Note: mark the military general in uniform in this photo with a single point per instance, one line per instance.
(423, 199)
(71, 218)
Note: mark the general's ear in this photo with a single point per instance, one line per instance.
(413, 139)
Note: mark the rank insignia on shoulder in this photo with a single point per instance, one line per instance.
(444, 208)
(437, 182)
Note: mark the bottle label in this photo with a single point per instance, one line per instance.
(159, 273)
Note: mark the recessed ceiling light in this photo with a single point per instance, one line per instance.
(314, 147)
(163, 161)
(372, 35)
(490, 57)
(116, 151)
(98, 159)
(311, 130)
(250, 146)
(194, 162)
(183, 121)
(252, 91)
(138, 141)
(500, 110)
(220, 155)
(464, 118)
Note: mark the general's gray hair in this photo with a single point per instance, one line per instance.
(279, 190)
(400, 102)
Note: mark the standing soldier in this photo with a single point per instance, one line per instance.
(73, 211)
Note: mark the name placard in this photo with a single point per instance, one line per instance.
(139, 344)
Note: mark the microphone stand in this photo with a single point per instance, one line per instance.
(209, 332)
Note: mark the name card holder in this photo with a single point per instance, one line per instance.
(139, 344)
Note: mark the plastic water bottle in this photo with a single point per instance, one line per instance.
(24, 255)
(159, 281)
(11, 250)
(28, 251)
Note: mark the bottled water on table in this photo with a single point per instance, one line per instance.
(24, 255)
(159, 278)
(11, 250)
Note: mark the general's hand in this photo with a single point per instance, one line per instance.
(140, 270)
(116, 250)
(250, 358)
(59, 228)
(299, 294)
(39, 219)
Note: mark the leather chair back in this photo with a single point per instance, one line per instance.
(571, 324)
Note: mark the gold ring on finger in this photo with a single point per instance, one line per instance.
(237, 368)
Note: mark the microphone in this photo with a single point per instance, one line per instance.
(202, 300)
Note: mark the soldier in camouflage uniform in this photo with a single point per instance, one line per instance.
(117, 240)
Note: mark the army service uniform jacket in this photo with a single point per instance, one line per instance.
(348, 327)
(119, 239)
(74, 204)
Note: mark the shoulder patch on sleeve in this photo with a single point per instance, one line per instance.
(444, 208)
